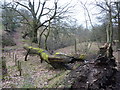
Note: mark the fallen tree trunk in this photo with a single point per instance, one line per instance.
(55, 60)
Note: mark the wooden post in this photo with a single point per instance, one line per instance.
(75, 46)
(4, 68)
(19, 67)
(118, 55)
(15, 58)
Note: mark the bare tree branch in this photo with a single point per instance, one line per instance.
(41, 10)
(38, 8)
(23, 5)
(84, 6)
(50, 17)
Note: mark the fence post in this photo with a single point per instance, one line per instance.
(15, 58)
(19, 67)
(119, 55)
(4, 68)
(13, 55)
(75, 46)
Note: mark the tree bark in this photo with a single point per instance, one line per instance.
(35, 40)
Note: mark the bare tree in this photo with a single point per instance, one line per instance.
(87, 14)
(40, 11)
(107, 7)
(37, 14)
(118, 20)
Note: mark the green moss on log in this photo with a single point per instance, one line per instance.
(45, 56)
(39, 50)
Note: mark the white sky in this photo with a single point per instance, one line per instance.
(78, 11)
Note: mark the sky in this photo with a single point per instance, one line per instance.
(77, 11)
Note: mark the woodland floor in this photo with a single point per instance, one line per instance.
(36, 74)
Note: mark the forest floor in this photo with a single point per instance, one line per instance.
(36, 74)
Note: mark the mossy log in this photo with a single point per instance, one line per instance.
(45, 55)
(55, 59)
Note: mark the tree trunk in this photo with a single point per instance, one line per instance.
(40, 37)
(108, 33)
(119, 26)
(111, 27)
(46, 37)
(119, 32)
(35, 35)
(46, 56)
